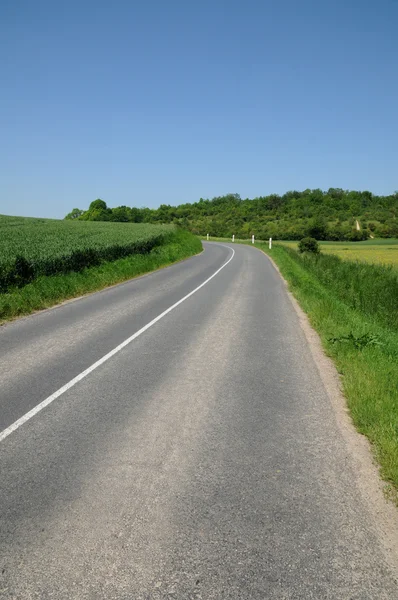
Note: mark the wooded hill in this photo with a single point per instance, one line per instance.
(332, 215)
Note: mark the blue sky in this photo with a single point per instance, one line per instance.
(143, 103)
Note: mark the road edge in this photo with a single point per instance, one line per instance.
(371, 486)
(100, 290)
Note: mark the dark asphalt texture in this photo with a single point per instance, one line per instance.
(202, 461)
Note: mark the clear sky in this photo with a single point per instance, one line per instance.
(151, 102)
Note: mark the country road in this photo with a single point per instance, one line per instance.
(203, 459)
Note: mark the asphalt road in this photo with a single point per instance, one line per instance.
(202, 460)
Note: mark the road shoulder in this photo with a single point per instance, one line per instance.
(373, 489)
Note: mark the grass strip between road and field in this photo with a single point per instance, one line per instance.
(353, 307)
(47, 291)
(363, 347)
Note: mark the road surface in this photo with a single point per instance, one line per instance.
(201, 460)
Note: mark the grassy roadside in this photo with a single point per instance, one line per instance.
(48, 291)
(362, 341)
(365, 351)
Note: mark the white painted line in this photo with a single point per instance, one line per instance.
(6, 432)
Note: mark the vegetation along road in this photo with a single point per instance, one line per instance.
(198, 452)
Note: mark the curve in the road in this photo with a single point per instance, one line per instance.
(39, 407)
(204, 460)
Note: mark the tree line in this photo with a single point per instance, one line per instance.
(335, 214)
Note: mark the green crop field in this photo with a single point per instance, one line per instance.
(380, 251)
(33, 247)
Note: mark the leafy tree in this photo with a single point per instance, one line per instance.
(75, 213)
(318, 229)
(98, 211)
(135, 215)
(121, 214)
(356, 235)
(294, 215)
(98, 205)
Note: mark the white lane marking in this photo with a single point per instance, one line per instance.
(6, 432)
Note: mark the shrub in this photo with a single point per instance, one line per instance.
(356, 236)
(318, 229)
(309, 244)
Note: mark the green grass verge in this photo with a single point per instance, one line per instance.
(48, 291)
(357, 335)
(365, 351)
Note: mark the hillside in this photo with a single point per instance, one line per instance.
(330, 215)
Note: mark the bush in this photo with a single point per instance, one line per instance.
(356, 236)
(309, 244)
(318, 229)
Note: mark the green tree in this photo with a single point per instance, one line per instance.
(322, 215)
(121, 214)
(135, 215)
(98, 211)
(318, 229)
(98, 205)
(75, 213)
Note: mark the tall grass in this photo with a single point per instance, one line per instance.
(353, 306)
(370, 289)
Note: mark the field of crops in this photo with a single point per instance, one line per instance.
(373, 251)
(33, 247)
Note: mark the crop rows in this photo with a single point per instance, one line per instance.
(30, 248)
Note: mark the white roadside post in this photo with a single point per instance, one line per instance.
(252, 239)
(270, 243)
(207, 237)
(233, 237)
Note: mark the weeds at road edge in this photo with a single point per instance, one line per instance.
(358, 328)
(364, 350)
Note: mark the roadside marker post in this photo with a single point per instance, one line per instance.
(233, 237)
(270, 243)
(252, 239)
(207, 237)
